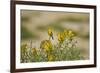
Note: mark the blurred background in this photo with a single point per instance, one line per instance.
(34, 26)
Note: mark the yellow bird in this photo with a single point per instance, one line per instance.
(50, 33)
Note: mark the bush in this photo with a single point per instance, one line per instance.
(64, 50)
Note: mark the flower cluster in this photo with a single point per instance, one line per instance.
(64, 49)
(46, 45)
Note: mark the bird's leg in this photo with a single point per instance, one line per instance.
(52, 37)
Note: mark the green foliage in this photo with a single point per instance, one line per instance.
(75, 19)
(41, 28)
(65, 50)
(25, 33)
(54, 25)
(25, 18)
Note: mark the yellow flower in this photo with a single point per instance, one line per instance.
(61, 37)
(34, 50)
(50, 57)
(46, 45)
(24, 47)
(65, 33)
(50, 33)
(71, 34)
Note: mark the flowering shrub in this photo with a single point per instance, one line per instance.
(64, 50)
